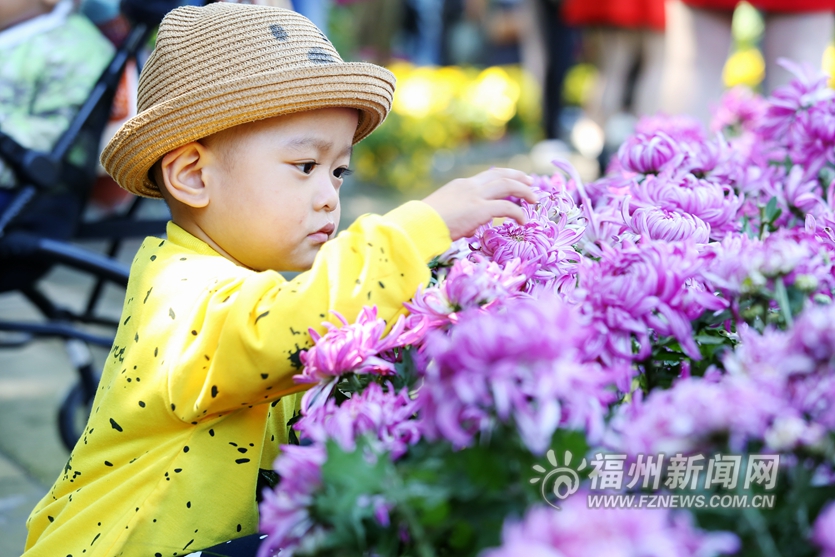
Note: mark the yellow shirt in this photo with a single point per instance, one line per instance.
(194, 398)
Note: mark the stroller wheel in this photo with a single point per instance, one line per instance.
(73, 415)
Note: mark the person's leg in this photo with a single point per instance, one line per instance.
(648, 86)
(697, 46)
(428, 44)
(618, 50)
(558, 37)
(801, 37)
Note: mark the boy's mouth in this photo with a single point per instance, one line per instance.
(323, 234)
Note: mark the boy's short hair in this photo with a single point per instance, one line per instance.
(224, 143)
(222, 65)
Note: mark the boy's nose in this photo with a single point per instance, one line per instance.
(327, 197)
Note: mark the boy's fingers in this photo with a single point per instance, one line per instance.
(510, 210)
(509, 173)
(500, 189)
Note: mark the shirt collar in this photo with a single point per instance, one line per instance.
(179, 236)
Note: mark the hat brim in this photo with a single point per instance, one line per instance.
(152, 133)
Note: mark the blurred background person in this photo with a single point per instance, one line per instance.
(547, 45)
(625, 40)
(51, 58)
(699, 41)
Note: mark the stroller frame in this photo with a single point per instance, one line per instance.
(37, 174)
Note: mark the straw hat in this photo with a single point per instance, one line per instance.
(222, 65)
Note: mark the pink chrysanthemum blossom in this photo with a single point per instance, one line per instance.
(690, 415)
(517, 362)
(608, 227)
(284, 514)
(555, 200)
(651, 285)
(740, 110)
(808, 88)
(459, 249)
(824, 531)
(668, 225)
(796, 194)
(545, 245)
(351, 348)
(797, 363)
(714, 204)
(469, 284)
(700, 155)
(813, 144)
(580, 531)
(385, 417)
(650, 153)
(680, 127)
(800, 122)
(797, 257)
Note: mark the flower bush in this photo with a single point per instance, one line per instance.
(677, 309)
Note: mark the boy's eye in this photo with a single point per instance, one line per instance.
(306, 167)
(341, 172)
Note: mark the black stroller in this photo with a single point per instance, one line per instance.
(45, 213)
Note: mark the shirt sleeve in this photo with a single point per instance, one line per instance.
(243, 345)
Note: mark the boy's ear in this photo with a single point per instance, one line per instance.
(182, 170)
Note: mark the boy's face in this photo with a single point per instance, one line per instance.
(273, 187)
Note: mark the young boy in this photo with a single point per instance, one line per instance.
(247, 118)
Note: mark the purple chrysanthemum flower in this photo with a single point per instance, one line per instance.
(808, 88)
(469, 284)
(351, 348)
(384, 416)
(545, 245)
(284, 514)
(680, 127)
(670, 226)
(797, 363)
(650, 285)
(800, 122)
(649, 153)
(519, 361)
(578, 531)
(797, 257)
(699, 155)
(714, 204)
(690, 415)
(824, 531)
(740, 110)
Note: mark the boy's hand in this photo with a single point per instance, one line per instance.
(467, 203)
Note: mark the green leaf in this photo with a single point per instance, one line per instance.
(771, 210)
(710, 339)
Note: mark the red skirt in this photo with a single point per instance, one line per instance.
(634, 14)
(768, 5)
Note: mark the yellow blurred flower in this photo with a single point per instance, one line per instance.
(829, 64)
(744, 67)
(445, 108)
(579, 83)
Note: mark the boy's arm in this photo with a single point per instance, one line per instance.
(244, 349)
